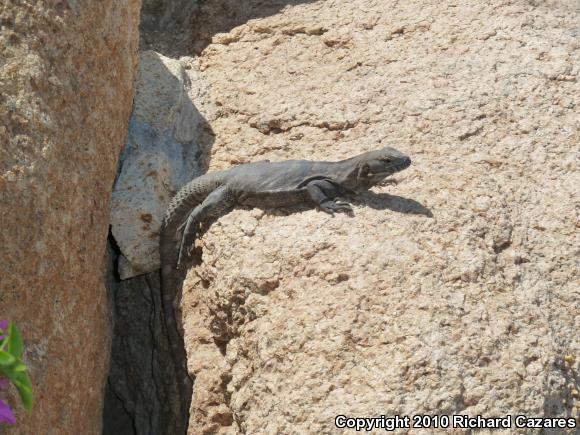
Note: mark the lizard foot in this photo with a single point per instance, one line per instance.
(389, 182)
(184, 257)
(186, 249)
(181, 257)
(332, 207)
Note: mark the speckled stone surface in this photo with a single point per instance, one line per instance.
(162, 153)
(454, 291)
(66, 75)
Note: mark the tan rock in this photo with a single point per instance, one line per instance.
(65, 96)
(161, 155)
(295, 317)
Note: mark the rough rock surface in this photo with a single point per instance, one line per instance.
(161, 155)
(455, 291)
(66, 73)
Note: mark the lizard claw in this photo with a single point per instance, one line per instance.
(185, 254)
(336, 206)
(389, 182)
(343, 206)
(180, 258)
(190, 250)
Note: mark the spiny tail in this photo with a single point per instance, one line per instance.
(172, 278)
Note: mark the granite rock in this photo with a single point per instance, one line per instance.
(66, 88)
(453, 291)
(161, 155)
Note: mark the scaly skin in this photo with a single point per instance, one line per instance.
(189, 196)
(262, 184)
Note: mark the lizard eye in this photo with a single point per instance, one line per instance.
(387, 160)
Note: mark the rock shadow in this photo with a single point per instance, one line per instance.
(194, 23)
(221, 16)
(558, 399)
(377, 201)
(386, 201)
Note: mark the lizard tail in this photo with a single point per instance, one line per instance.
(186, 199)
(171, 280)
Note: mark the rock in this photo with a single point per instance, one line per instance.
(66, 90)
(451, 292)
(160, 156)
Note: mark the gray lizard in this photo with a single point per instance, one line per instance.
(262, 184)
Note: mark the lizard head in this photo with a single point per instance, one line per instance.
(373, 167)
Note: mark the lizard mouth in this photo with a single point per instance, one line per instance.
(391, 169)
(378, 178)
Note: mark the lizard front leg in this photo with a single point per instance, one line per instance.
(323, 193)
(216, 204)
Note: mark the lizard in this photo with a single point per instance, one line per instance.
(262, 184)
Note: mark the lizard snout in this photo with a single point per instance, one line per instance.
(405, 163)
